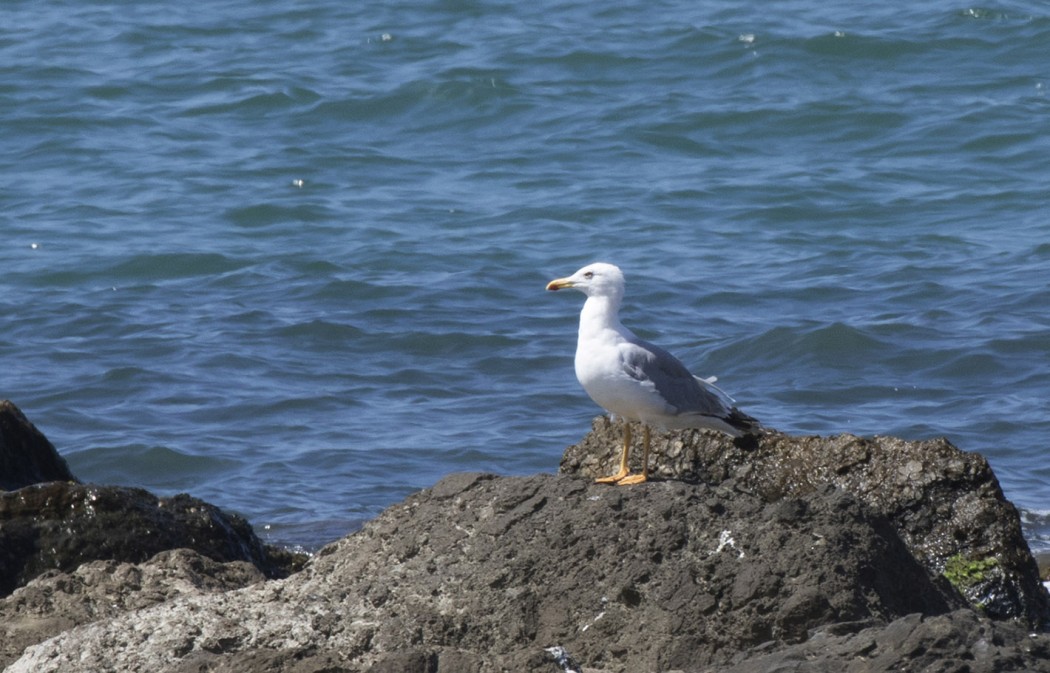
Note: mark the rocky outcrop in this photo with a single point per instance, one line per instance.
(49, 521)
(484, 573)
(945, 504)
(789, 553)
(26, 455)
(61, 525)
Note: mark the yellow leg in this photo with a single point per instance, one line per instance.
(623, 457)
(644, 476)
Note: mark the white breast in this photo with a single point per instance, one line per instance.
(599, 369)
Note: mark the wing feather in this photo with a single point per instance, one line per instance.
(682, 391)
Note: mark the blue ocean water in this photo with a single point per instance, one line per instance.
(290, 256)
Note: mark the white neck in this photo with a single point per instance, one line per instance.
(598, 314)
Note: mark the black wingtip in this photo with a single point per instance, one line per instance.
(742, 422)
(750, 429)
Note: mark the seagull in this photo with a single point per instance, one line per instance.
(636, 380)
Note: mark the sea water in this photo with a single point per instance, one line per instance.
(290, 257)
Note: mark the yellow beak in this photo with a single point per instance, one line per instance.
(559, 284)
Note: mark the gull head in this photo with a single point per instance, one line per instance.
(594, 280)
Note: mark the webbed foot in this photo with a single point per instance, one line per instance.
(612, 479)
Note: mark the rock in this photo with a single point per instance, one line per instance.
(945, 504)
(787, 553)
(486, 573)
(61, 525)
(26, 456)
(55, 601)
(960, 641)
(53, 522)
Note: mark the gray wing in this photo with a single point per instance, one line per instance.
(679, 388)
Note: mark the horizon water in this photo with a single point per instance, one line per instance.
(290, 257)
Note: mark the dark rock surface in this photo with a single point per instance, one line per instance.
(482, 573)
(60, 525)
(960, 642)
(26, 455)
(945, 504)
(50, 521)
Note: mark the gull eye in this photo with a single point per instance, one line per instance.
(589, 275)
